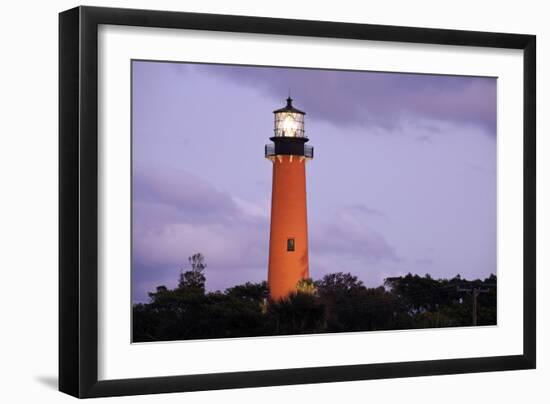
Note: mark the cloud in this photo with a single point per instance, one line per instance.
(350, 235)
(176, 213)
(365, 210)
(186, 194)
(226, 247)
(373, 98)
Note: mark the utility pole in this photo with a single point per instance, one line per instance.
(475, 293)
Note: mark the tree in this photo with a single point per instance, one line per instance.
(194, 278)
(339, 282)
(255, 292)
(418, 293)
(306, 286)
(339, 302)
(299, 313)
(197, 262)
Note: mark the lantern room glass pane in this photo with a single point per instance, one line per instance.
(289, 124)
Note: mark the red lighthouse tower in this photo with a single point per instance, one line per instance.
(288, 243)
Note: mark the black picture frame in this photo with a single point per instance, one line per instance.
(78, 201)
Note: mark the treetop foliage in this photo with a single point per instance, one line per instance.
(338, 302)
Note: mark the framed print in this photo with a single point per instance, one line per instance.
(304, 200)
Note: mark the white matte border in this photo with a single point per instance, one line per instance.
(119, 359)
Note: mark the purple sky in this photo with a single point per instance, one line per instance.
(403, 180)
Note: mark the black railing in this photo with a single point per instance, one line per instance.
(295, 149)
(308, 151)
(269, 150)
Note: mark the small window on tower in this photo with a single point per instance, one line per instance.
(290, 244)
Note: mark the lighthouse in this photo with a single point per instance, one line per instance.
(288, 241)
